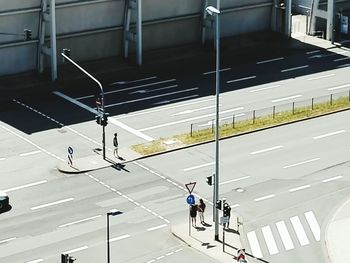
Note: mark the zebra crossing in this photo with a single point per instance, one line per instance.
(284, 235)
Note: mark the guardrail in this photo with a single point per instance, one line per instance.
(235, 121)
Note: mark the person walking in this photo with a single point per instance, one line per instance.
(227, 213)
(193, 214)
(201, 209)
(116, 144)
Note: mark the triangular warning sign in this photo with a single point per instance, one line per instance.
(190, 187)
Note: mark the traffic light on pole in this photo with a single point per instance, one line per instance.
(218, 204)
(71, 260)
(104, 120)
(27, 34)
(98, 119)
(64, 258)
(210, 180)
(66, 51)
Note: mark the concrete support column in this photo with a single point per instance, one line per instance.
(288, 18)
(330, 19)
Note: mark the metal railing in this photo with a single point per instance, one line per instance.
(273, 113)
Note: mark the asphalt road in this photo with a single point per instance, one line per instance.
(291, 176)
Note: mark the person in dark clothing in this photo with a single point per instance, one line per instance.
(201, 209)
(227, 213)
(193, 214)
(115, 144)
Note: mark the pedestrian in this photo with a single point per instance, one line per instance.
(201, 209)
(193, 214)
(116, 144)
(227, 213)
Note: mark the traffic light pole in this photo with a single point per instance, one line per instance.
(102, 100)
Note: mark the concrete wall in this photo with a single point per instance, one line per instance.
(93, 29)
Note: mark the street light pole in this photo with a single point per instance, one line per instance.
(112, 212)
(215, 12)
(102, 100)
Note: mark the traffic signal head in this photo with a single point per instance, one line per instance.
(218, 204)
(66, 51)
(104, 120)
(64, 258)
(98, 119)
(27, 34)
(71, 260)
(210, 180)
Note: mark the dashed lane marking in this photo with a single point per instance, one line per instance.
(270, 60)
(24, 186)
(80, 221)
(75, 250)
(29, 153)
(119, 238)
(7, 240)
(35, 260)
(166, 255)
(156, 227)
(52, 203)
(122, 82)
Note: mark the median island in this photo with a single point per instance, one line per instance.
(249, 123)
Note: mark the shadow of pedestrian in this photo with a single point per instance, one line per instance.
(206, 224)
(200, 228)
(232, 231)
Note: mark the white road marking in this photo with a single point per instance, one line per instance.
(80, 221)
(265, 88)
(328, 134)
(241, 79)
(343, 66)
(131, 130)
(75, 250)
(140, 86)
(156, 227)
(119, 238)
(132, 81)
(314, 226)
(85, 97)
(35, 260)
(341, 59)
(332, 179)
(25, 186)
(7, 240)
(299, 230)
(111, 120)
(321, 77)
(296, 68)
(178, 250)
(150, 97)
(2, 159)
(269, 240)
(74, 101)
(270, 60)
(194, 110)
(284, 234)
(312, 52)
(287, 98)
(30, 153)
(198, 166)
(152, 90)
(212, 72)
(234, 206)
(339, 87)
(254, 244)
(300, 163)
(268, 149)
(176, 99)
(188, 120)
(32, 143)
(299, 188)
(53, 203)
(235, 180)
(264, 197)
(169, 254)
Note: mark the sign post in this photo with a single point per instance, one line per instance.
(70, 156)
(190, 201)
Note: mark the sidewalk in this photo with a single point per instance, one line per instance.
(337, 235)
(95, 161)
(202, 239)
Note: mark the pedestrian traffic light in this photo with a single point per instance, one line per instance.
(98, 119)
(27, 34)
(210, 180)
(104, 120)
(64, 258)
(71, 260)
(218, 204)
(227, 210)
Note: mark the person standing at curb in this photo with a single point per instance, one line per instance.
(201, 209)
(193, 214)
(116, 144)
(227, 213)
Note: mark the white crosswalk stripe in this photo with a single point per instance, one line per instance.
(293, 233)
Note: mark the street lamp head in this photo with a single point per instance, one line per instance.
(113, 212)
(212, 10)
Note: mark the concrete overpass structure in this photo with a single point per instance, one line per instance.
(95, 29)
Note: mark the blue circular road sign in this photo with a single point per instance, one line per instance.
(190, 200)
(70, 150)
